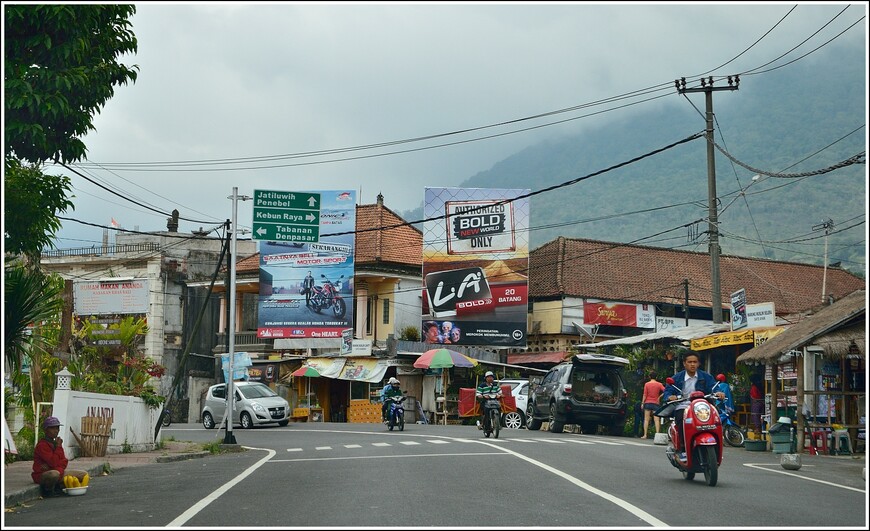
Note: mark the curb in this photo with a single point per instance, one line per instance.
(181, 457)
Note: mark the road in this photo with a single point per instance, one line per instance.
(361, 475)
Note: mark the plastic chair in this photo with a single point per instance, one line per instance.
(819, 443)
(842, 443)
(441, 410)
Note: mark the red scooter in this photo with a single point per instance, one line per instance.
(703, 435)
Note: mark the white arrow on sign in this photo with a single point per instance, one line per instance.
(310, 217)
(312, 201)
(261, 231)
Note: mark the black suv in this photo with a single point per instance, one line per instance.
(588, 390)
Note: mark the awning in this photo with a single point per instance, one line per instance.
(369, 370)
(538, 357)
(482, 362)
(307, 342)
(724, 339)
(327, 367)
(685, 333)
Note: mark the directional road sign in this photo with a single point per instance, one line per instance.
(286, 216)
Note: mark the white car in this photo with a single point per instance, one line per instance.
(254, 404)
(520, 392)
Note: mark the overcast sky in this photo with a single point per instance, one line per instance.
(233, 81)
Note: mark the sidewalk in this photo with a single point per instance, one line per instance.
(18, 486)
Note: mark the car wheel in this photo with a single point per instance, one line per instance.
(245, 420)
(531, 422)
(556, 426)
(513, 420)
(207, 421)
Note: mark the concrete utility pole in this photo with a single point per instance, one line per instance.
(713, 223)
(828, 226)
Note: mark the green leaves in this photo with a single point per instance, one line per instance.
(60, 67)
(32, 203)
(32, 303)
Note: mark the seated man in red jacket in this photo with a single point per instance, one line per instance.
(49, 461)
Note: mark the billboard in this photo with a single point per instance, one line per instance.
(619, 314)
(306, 288)
(111, 296)
(738, 310)
(475, 266)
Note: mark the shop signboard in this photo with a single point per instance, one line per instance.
(619, 314)
(111, 296)
(738, 310)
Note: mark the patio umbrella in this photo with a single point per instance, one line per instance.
(443, 358)
(308, 372)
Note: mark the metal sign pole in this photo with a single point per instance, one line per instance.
(231, 325)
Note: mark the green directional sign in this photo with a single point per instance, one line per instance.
(286, 216)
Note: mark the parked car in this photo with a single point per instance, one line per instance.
(255, 404)
(520, 391)
(588, 390)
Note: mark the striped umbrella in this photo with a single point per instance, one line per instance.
(308, 372)
(443, 358)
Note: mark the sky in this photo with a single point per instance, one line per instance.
(244, 80)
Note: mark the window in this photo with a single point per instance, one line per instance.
(219, 392)
(386, 311)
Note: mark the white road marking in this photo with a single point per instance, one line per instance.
(203, 503)
(409, 443)
(578, 441)
(472, 454)
(323, 448)
(352, 446)
(381, 444)
(294, 449)
(437, 441)
(760, 466)
(637, 511)
(608, 442)
(554, 441)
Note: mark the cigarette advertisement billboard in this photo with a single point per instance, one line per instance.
(475, 266)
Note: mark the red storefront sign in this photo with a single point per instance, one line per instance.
(602, 313)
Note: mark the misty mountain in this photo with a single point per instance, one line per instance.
(787, 120)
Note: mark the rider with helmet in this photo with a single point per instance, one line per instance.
(393, 388)
(487, 386)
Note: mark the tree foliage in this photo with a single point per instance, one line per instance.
(32, 203)
(32, 308)
(61, 66)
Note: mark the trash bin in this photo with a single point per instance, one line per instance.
(781, 435)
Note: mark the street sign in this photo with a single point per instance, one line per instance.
(286, 216)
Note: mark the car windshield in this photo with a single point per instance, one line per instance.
(256, 391)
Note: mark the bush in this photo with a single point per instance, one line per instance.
(409, 333)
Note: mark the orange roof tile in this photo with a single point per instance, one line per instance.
(622, 272)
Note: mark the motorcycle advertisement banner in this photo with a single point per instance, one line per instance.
(306, 289)
(475, 266)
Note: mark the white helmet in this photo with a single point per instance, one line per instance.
(394, 381)
(488, 373)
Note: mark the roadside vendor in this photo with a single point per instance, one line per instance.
(49, 461)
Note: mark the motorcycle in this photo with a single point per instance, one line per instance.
(396, 412)
(732, 433)
(327, 296)
(703, 436)
(491, 414)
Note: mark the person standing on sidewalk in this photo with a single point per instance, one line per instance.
(652, 393)
(49, 461)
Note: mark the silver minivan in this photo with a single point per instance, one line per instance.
(255, 403)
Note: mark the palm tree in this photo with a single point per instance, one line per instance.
(33, 303)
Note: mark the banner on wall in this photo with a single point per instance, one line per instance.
(619, 314)
(475, 266)
(306, 289)
(111, 296)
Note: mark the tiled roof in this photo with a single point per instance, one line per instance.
(632, 273)
(399, 245)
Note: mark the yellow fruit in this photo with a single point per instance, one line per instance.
(66, 481)
(85, 480)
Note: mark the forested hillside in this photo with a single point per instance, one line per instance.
(775, 120)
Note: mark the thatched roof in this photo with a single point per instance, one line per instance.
(833, 328)
(844, 342)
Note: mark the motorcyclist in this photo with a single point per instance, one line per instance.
(487, 386)
(394, 388)
(690, 379)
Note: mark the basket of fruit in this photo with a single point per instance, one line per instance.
(74, 487)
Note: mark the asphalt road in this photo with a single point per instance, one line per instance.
(361, 475)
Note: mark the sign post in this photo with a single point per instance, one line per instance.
(286, 216)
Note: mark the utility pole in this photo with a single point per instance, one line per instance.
(229, 438)
(708, 89)
(828, 226)
(686, 306)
